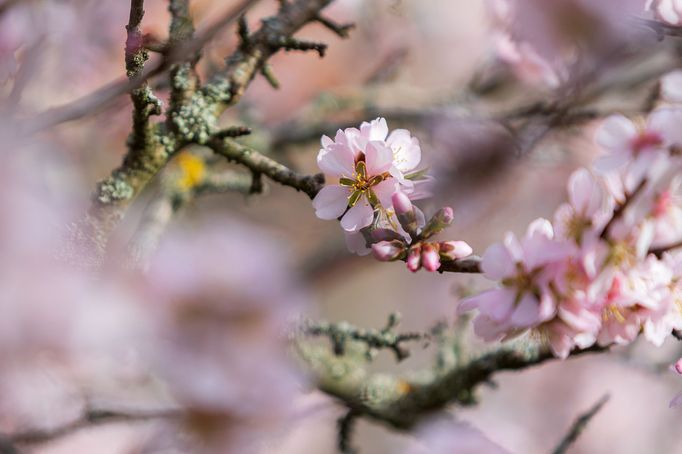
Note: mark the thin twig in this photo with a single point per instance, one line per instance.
(579, 426)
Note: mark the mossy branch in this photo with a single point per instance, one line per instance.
(403, 401)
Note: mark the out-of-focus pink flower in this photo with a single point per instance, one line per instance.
(669, 11)
(666, 214)
(524, 269)
(220, 309)
(557, 42)
(671, 86)
(588, 210)
(449, 437)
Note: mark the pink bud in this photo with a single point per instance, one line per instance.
(448, 215)
(455, 250)
(678, 366)
(387, 251)
(430, 258)
(414, 259)
(401, 203)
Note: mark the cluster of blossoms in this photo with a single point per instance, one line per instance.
(377, 180)
(559, 42)
(605, 270)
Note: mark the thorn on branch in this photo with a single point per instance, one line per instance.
(345, 425)
(243, 32)
(579, 426)
(234, 131)
(256, 183)
(289, 43)
(341, 30)
(269, 75)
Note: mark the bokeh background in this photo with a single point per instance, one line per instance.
(404, 56)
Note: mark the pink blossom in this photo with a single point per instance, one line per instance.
(669, 11)
(370, 165)
(556, 42)
(588, 210)
(671, 86)
(523, 268)
(635, 150)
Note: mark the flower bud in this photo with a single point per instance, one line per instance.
(678, 366)
(430, 257)
(405, 213)
(387, 251)
(454, 250)
(438, 222)
(414, 261)
(401, 203)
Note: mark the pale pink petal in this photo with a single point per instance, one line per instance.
(336, 160)
(326, 141)
(331, 202)
(355, 242)
(384, 192)
(406, 151)
(616, 133)
(585, 193)
(378, 158)
(358, 217)
(497, 262)
(496, 303)
(526, 313)
(671, 86)
(375, 130)
(666, 121)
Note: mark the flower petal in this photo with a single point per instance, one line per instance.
(616, 133)
(336, 160)
(358, 217)
(378, 158)
(331, 202)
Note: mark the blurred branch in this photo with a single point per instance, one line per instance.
(401, 402)
(173, 197)
(579, 426)
(91, 417)
(102, 97)
(340, 333)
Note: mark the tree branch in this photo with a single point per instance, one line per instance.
(259, 163)
(402, 402)
(90, 417)
(579, 426)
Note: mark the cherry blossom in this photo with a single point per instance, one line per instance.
(370, 165)
(524, 268)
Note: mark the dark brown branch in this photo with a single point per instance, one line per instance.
(659, 251)
(620, 209)
(468, 265)
(90, 418)
(256, 162)
(579, 426)
(101, 98)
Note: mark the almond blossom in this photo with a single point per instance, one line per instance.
(524, 269)
(669, 11)
(370, 166)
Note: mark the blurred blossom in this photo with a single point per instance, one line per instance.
(669, 11)
(450, 437)
(220, 307)
(554, 42)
